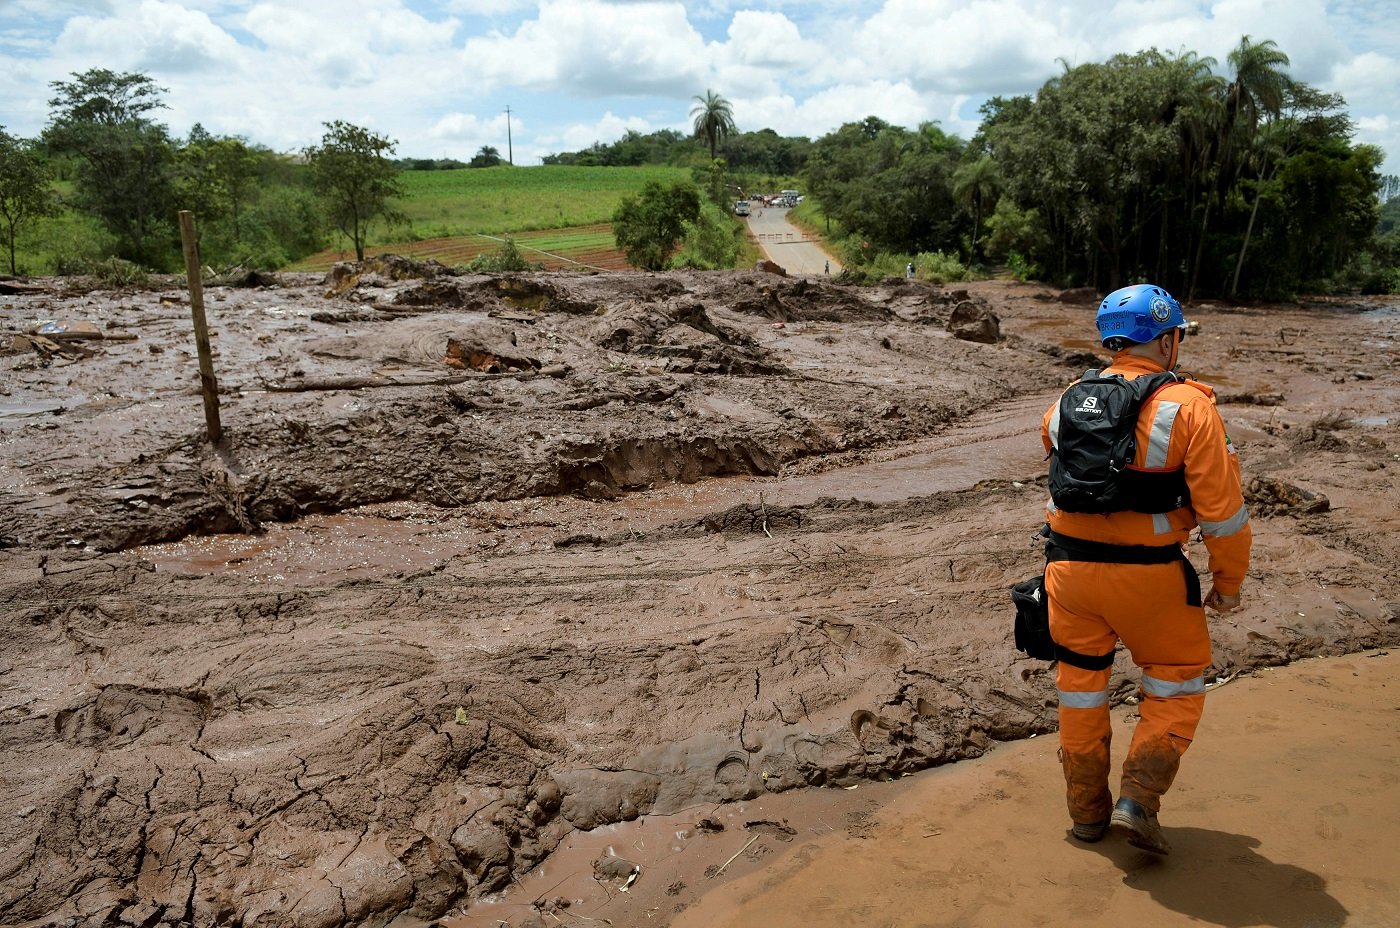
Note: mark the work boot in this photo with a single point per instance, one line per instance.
(1089, 832)
(1143, 830)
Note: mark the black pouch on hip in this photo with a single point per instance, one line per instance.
(1033, 619)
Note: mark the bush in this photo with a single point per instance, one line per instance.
(505, 258)
(1023, 268)
(711, 241)
(939, 268)
(118, 272)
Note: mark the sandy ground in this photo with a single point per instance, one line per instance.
(1284, 815)
(491, 569)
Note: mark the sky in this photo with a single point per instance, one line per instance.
(443, 78)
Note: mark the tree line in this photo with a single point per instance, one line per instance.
(1233, 181)
(1211, 180)
(105, 155)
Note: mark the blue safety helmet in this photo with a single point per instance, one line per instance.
(1138, 313)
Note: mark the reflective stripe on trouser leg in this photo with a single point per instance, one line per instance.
(1085, 727)
(1085, 733)
(1164, 731)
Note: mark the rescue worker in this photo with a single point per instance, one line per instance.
(1151, 603)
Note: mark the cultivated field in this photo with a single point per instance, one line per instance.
(503, 200)
(590, 246)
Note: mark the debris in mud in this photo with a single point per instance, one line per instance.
(488, 358)
(609, 868)
(62, 330)
(1078, 295)
(11, 286)
(974, 322)
(780, 830)
(1270, 496)
(770, 267)
(375, 271)
(1250, 398)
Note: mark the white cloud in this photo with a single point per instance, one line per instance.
(820, 113)
(588, 48)
(769, 40)
(606, 129)
(986, 46)
(151, 36)
(428, 72)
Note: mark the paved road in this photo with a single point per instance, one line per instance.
(787, 245)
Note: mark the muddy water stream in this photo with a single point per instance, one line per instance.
(388, 538)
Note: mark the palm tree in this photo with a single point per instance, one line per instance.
(1266, 156)
(1260, 86)
(1197, 112)
(1257, 91)
(714, 119)
(974, 184)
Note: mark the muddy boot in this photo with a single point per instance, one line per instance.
(1089, 832)
(1142, 827)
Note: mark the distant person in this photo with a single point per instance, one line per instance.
(827, 269)
(909, 271)
(1119, 573)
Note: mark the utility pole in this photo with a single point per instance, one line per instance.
(510, 151)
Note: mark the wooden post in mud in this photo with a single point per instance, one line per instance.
(208, 386)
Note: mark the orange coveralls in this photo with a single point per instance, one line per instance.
(1093, 605)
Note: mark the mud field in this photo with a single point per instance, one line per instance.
(486, 562)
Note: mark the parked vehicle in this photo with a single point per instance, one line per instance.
(741, 207)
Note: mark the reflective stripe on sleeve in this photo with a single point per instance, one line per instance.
(1168, 688)
(1159, 437)
(1054, 428)
(1227, 528)
(1161, 525)
(1075, 700)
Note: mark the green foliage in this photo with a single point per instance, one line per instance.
(487, 157)
(25, 192)
(940, 268)
(117, 272)
(124, 162)
(429, 164)
(761, 152)
(648, 226)
(1022, 268)
(352, 171)
(1151, 166)
(889, 186)
(712, 240)
(506, 258)
(1013, 230)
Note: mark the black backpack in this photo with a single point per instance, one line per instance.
(1089, 468)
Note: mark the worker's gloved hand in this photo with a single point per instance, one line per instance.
(1221, 602)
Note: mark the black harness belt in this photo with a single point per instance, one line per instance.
(1064, 548)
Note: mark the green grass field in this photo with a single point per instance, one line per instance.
(503, 200)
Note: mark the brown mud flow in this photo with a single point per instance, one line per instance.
(488, 562)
